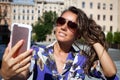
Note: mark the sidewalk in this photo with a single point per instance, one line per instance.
(118, 71)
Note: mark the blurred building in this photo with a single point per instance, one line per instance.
(5, 12)
(23, 11)
(119, 16)
(104, 12)
(49, 5)
(5, 20)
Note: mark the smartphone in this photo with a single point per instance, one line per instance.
(18, 32)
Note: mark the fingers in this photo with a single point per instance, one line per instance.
(23, 56)
(7, 50)
(14, 49)
(18, 59)
(6, 53)
(24, 68)
(22, 63)
(12, 66)
(25, 61)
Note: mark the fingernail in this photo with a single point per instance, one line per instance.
(21, 41)
(31, 50)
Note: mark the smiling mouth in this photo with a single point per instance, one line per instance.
(62, 34)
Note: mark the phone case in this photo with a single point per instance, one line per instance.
(18, 32)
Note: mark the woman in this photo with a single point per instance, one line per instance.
(60, 61)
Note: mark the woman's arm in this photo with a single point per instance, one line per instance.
(15, 68)
(107, 63)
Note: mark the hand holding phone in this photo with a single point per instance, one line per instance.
(18, 32)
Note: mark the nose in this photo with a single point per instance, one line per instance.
(64, 27)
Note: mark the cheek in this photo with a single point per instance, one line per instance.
(72, 35)
(56, 30)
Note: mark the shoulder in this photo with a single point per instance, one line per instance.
(37, 48)
(42, 47)
(42, 50)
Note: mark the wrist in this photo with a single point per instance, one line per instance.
(3, 75)
(96, 44)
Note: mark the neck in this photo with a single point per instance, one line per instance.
(62, 47)
(61, 51)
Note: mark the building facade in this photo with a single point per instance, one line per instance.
(23, 11)
(104, 12)
(5, 21)
(119, 16)
(49, 5)
(5, 11)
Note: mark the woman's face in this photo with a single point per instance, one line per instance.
(64, 32)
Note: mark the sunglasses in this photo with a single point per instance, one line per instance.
(71, 25)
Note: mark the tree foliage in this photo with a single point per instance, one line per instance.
(44, 25)
(116, 38)
(109, 37)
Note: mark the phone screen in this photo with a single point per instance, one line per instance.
(19, 33)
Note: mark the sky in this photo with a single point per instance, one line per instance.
(23, 1)
(33, 0)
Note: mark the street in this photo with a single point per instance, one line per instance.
(115, 55)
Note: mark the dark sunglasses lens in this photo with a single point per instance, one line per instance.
(60, 21)
(72, 25)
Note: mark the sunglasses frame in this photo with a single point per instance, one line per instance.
(72, 26)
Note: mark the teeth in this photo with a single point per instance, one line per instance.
(62, 34)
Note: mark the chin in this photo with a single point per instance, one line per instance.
(63, 41)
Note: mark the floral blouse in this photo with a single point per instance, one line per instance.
(44, 67)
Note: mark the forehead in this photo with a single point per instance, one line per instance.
(69, 16)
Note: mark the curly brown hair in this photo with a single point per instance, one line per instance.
(91, 33)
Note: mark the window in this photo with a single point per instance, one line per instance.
(18, 17)
(32, 18)
(98, 5)
(14, 11)
(23, 17)
(98, 17)
(104, 6)
(61, 3)
(83, 4)
(27, 17)
(111, 6)
(104, 17)
(32, 11)
(110, 28)
(111, 17)
(14, 17)
(49, 39)
(23, 11)
(38, 11)
(91, 5)
(27, 11)
(91, 16)
(104, 28)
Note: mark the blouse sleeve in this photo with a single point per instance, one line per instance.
(34, 58)
(96, 71)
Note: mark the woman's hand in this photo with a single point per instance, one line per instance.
(15, 67)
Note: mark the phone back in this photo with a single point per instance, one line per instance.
(19, 33)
